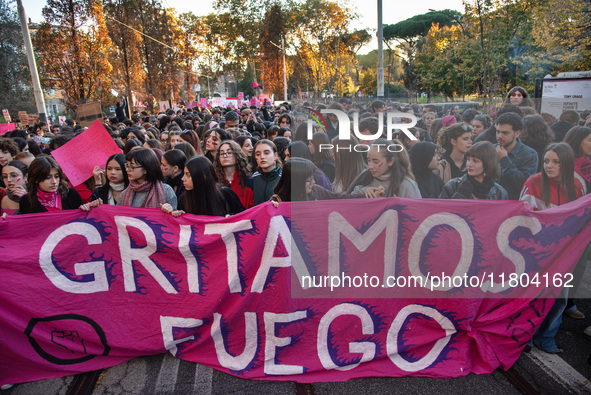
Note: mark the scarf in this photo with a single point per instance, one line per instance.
(52, 201)
(583, 167)
(156, 194)
(481, 189)
(117, 187)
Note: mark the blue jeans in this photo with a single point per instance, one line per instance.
(545, 335)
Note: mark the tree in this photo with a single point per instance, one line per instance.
(319, 26)
(73, 45)
(125, 55)
(567, 45)
(271, 58)
(438, 63)
(15, 78)
(410, 33)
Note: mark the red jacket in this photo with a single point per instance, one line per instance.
(532, 192)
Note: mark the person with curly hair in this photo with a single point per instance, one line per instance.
(537, 135)
(455, 139)
(232, 170)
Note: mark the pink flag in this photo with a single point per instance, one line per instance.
(81, 154)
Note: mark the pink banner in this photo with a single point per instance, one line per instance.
(5, 128)
(86, 291)
(90, 148)
(203, 102)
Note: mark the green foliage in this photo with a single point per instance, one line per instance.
(15, 79)
(418, 25)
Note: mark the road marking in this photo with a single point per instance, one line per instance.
(203, 383)
(167, 377)
(560, 371)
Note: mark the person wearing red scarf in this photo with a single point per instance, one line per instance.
(48, 188)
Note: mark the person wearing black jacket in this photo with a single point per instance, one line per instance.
(48, 189)
(423, 160)
(269, 172)
(479, 182)
(116, 180)
(203, 194)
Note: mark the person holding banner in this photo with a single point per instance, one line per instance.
(14, 175)
(388, 174)
(116, 180)
(146, 187)
(232, 170)
(297, 184)
(554, 186)
(48, 188)
(203, 194)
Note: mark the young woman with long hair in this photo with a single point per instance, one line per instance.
(554, 186)
(424, 159)
(116, 180)
(247, 145)
(519, 97)
(269, 170)
(348, 163)
(192, 138)
(146, 187)
(297, 184)
(323, 158)
(203, 194)
(173, 167)
(232, 170)
(298, 149)
(483, 169)
(47, 188)
(213, 138)
(388, 173)
(14, 175)
(455, 140)
(537, 135)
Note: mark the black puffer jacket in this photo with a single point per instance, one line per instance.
(462, 188)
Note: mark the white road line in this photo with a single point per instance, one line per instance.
(560, 371)
(168, 374)
(203, 383)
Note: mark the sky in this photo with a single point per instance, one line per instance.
(393, 11)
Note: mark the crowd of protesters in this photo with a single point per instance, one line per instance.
(221, 161)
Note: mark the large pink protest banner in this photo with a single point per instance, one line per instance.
(86, 291)
(79, 156)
